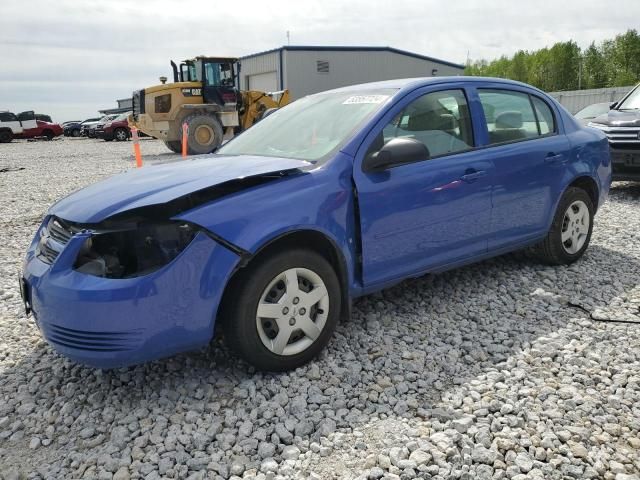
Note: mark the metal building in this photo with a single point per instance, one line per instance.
(124, 105)
(304, 70)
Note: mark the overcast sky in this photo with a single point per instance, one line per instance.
(70, 58)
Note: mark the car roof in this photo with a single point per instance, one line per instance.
(411, 83)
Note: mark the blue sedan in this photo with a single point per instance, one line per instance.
(335, 196)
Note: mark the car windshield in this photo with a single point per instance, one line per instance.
(593, 111)
(311, 128)
(632, 102)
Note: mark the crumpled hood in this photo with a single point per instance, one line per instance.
(619, 118)
(158, 184)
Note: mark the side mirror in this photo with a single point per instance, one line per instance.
(613, 105)
(395, 152)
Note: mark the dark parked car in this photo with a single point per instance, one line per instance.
(334, 196)
(74, 129)
(116, 129)
(621, 124)
(587, 114)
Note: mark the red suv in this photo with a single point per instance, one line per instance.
(116, 129)
(43, 129)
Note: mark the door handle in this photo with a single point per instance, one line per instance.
(554, 158)
(472, 175)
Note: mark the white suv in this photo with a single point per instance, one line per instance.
(11, 125)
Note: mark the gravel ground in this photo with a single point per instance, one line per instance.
(496, 370)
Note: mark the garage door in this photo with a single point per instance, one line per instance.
(265, 82)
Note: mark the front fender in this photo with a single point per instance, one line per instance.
(320, 200)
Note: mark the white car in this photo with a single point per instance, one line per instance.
(12, 124)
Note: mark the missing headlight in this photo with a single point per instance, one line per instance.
(133, 252)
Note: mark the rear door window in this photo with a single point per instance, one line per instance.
(515, 116)
(545, 117)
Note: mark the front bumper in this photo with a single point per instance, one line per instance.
(625, 163)
(104, 134)
(108, 323)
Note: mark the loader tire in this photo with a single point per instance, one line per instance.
(205, 133)
(174, 145)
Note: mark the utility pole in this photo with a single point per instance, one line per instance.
(580, 72)
(288, 38)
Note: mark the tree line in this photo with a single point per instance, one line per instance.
(565, 66)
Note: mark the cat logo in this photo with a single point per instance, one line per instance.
(192, 92)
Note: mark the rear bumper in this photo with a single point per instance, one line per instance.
(625, 163)
(108, 323)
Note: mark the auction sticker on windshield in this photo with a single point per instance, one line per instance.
(357, 99)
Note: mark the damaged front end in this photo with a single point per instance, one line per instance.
(117, 295)
(114, 277)
(133, 251)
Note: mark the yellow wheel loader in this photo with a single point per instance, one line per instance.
(204, 96)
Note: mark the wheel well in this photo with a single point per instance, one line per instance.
(308, 239)
(589, 185)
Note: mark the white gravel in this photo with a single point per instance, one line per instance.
(491, 371)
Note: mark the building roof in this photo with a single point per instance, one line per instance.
(316, 48)
(109, 111)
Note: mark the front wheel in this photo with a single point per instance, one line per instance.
(570, 232)
(120, 135)
(281, 312)
(205, 133)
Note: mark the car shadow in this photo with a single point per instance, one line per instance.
(412, 343)
(625, 190)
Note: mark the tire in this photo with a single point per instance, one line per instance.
(257, 339)
(48, 134)
(569, 235)
(205, 133)
(6, 136)
(121, 135)
(174, 145)
(266, 113)
(75, 132)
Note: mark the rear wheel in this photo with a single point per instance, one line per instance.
(570, 232)
(120, 134)
(48, 134)
(281, 312)
(174, 145)
(205, 133)
(6, 136)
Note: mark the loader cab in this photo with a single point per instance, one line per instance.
(217, 75)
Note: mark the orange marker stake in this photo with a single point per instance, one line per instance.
(185, 136)
(136, 146)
